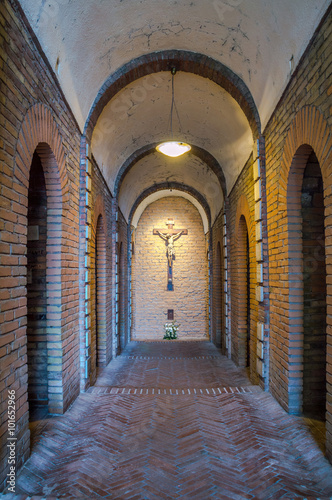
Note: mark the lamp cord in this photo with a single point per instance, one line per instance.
(173, 105)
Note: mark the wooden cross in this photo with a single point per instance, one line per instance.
(169, 237)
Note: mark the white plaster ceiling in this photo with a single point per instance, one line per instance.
(156, 168)
(139, 115)
(87, 41)
(166, 193)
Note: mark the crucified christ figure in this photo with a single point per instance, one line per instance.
(170, 238)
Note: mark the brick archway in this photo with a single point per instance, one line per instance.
(308, 133)
(101, 321)
(39, 127)
(183, 60)
(168, 186)
(39, 134)
(196, 151)
(308, 127)
(242, 286)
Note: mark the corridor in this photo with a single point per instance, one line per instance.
(169, 420)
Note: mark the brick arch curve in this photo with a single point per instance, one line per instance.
(171, 185)
(243, 209)
(204, 155)
(308, 127)
(39, 127)
(243, 229)
(99, 210)
(308, 132)
(183, 60)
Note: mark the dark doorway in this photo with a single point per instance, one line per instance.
(314, 291)
(36, 292)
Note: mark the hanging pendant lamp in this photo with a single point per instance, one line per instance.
(173, 148)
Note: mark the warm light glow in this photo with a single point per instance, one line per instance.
(173, 148)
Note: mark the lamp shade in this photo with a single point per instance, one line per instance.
(173, 148)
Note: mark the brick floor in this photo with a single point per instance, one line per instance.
(171, 420)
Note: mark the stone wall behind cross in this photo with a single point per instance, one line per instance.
(150, 297)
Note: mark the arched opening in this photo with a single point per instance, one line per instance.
(307, 287)
(218, 294)
(44, 292)
(100, 296)
(37, 351)
(243, 268)
(153, 302)
(314, 291)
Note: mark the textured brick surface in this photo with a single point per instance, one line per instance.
(35, 116)
(300, 125)
(103, 265)
(189, 298)
(240, 222)
(175, 444)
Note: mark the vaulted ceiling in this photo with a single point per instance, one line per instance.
(223, 100)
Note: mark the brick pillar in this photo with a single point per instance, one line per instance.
(100, 300)
(85, 265)
(262, 278)
(114, 265)
(226, 298)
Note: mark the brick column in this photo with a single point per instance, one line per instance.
(262, 287)
(115, 276)
(226, 295)
(85, 265)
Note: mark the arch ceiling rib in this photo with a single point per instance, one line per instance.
(211, 121)
(200, 153)
(163, 191)
(186, 61)
(189, 173)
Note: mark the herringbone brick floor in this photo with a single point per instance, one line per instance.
(174, 420)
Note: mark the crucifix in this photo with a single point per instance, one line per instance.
(169, 237)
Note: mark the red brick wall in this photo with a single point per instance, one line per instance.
(300, 124)
(34, 115)
(189, 299)
(240, 223)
